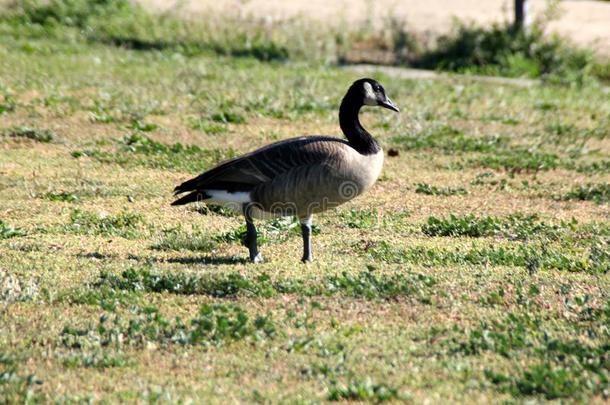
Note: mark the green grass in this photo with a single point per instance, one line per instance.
(565, 367)
(137, 149)
(428, 189)
(515, 226)
(600, 193)
(362, 390)
(592, 258)
(214, 325)
(474, 271)
(501, 51)
(15, 385)
(125, 224)
(365, 284)
(176, 239)
(7, 231)
(38, 135)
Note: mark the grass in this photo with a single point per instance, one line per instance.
(498, 50)
(362, 390)
(474, 271)
(593, 258)
(214, 325)
(365, 284)
(175, 239)
(137, 149)
(600, 193)
(125, 224)
(565, 367)
(38, 135)
(7, 231)
(428, 189)
(515, 226)
(14, 386)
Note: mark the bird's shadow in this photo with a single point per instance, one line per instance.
(207, 260)
(217, 260)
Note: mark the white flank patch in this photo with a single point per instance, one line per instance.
(369, 94)
(224, 196)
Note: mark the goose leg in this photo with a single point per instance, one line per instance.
(255, 256)
(306, 232)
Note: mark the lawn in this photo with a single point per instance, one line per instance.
(475, 270)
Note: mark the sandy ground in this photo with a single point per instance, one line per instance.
(585, 22)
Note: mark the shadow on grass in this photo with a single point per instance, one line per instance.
(216, 260)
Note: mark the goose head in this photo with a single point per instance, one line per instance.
(370, 92)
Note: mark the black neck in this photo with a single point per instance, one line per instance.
(357, 136)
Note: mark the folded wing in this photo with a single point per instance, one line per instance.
(245, 173)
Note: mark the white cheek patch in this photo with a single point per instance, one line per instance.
(369, 94)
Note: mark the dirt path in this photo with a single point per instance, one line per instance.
(586, 22)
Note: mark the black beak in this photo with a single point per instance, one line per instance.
(389, 104)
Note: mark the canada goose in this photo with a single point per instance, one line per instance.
(298, 176)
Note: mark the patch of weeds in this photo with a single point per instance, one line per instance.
(483, 179)
(448, 140)
(558, 374)
(595, 259)
(494, 298)
(424, 188)
(360, 219)
(371, 218)
(501, 50)
(515, 226)
(518, 160)
(101, 114)
(14, 387)
(64, 196)
(139, 125)
(35, 134)
(7, 231)
(176, 239)
(502, 337)
(124, 224)
(212, 284)
(469, 225)
(208, 127)
(15, 289)
(140, 150)
(599, 256)
(96, 359)
(544, 379)
(61, 105)
(564, 368)
(600, 193)
(365, 284)
(228, 117)
(99, 294)
(362, 390)
(214, 325)
(125, 24)
(8, 104)
(600, 166)
(313, 343)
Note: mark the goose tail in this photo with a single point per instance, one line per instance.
(192, 197)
